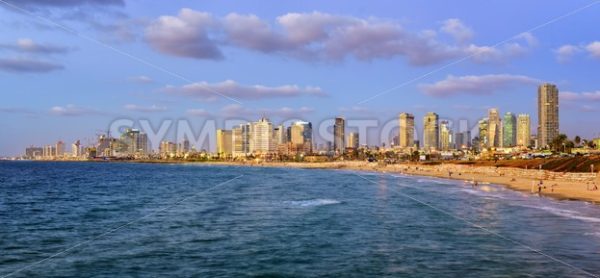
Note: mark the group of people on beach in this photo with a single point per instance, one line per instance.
(593, 187)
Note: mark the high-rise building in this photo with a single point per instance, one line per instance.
(353, 140)
(240, 137)
(224, 142)
(483, 133)
(462, 140)
(509, 127)
(280, 135)
(261, 137)
(446, 142)
(494, 129)
(407, 130)
(301, 137)
(134, 142)
(523, 130)
(548, 120)
(339, 135)
(431, 131)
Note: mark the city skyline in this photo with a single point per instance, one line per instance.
(61, 87)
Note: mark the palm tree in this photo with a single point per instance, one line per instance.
(577, 140)
(558, 142)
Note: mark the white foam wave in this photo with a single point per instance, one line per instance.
(313, 202)
(566, 213)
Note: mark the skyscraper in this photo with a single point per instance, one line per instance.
(261, 136)
(547, 114)
(279, 135)
(509, 130)
(446, 141)
(60, 149)
(431, 131)
(301, 136)
(240, 137)
(523, 130)
(407, 130)
(494, 128)
(224, 142)
(353, 140)
(339, 135)
(76, 149)
(483, 133)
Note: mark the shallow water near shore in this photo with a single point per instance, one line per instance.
(194, 220)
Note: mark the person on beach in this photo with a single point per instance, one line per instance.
(540, 188)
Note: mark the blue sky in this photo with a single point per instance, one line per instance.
(312, 60)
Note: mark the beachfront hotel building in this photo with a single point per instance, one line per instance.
(280, 135)
(261, 137)
(548, 128)
(224, 142)
(509, 128)
(339, 135)
(431, 131)
(523, 130)
(494, 128)
(406, 138)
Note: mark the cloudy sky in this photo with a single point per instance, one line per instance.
(68, 68)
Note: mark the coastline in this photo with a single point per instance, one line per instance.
(563, 186)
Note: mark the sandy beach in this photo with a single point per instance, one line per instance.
(571, 186)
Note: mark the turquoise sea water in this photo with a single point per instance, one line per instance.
(147, 220)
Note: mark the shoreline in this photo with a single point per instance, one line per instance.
(562, 186)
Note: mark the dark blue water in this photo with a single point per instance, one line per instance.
(145, 220)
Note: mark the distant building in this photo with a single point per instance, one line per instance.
(339, 133)
(224, 142)
(494, 129)
(407, 130)
(523, 130)
(134, 142)
(509, 130)
(446, 141)
(34, 152)
(167, 149)
(60, 149)
(76, 150)
(353, 140)
(431, 131)
(548, 121)
(462, 140)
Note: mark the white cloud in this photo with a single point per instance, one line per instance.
(141, 79)
(476, 84)
(185, 35)
(321, 37)
(73, 110)
(566, 52)
(145, 109)
(26, 65)
(594, 49)
(584, 96)
(29, 46)
(457, 29)
(234, 90)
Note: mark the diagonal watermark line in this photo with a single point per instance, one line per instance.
(119, 228)
(488, 230)
(119, 51)
(556, 19)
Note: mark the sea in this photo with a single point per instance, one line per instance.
(105, 219)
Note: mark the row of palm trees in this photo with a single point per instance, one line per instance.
(562, 143)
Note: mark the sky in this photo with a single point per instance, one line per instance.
(71, 68)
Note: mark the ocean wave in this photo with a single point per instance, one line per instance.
(566, 213)
(312, 202)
